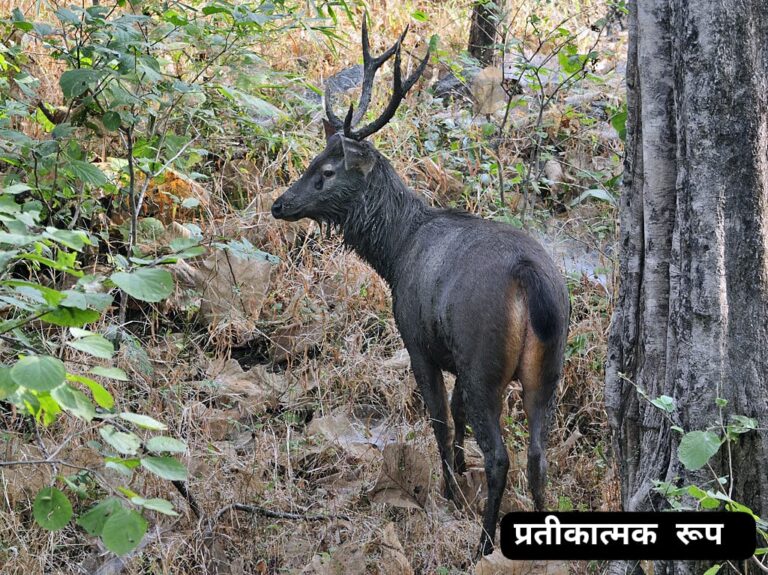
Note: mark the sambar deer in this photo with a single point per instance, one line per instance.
(473, 297)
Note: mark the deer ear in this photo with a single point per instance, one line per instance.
(357, 156)
(328, 129)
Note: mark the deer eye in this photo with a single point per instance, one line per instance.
(328, 173)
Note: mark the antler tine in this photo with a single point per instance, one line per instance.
(399, 90)
(370, 66)
(332, 118)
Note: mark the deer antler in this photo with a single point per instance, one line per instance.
(370, 67)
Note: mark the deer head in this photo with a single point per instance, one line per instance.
(342, 171)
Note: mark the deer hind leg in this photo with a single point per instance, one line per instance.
(460, 427)
(538, 374)
(482, 392)
(429, 379)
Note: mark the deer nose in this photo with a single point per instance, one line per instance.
(277, 208)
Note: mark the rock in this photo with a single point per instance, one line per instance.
(343, 81)
(451, 87)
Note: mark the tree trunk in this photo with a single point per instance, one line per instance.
(482, 31)
(691, 317)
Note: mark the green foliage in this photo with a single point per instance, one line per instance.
(696, 448)
(121, 80)
(695, 451)
(52, 509)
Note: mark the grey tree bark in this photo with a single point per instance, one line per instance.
(691, 316)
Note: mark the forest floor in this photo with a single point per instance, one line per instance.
(289, 382)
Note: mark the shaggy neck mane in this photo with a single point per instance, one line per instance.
(378, 225)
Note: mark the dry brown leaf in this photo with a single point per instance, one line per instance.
(256, 389)
(296, 339)
(404, 479)
(340, 430)
(439, 181)
(497, 564)
(232, 289)
(393, 559)
(487, 91)
(400, 360)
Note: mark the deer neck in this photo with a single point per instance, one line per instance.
(381, 222)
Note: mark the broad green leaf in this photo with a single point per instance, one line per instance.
(665, 403)
(597, 194)
(7, 385)
(121, 468)
(143, 421)
(122, 442)
(74, 401)
(100, 395)
(713, 570)
(94, 519)
(71, 316)
(165, 467)
(696, 448)
(110, 372)
(73, 240)
(75, 82)
(16, 239)
(742, 424)
(111, 121)
(145, 284)
(95, 345)
(82, 300)
(160, 505)
(87, 173)
(39, 372)
(51, 509)
(162, 444)
(123, 531)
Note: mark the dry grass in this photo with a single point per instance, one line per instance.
(327, 295)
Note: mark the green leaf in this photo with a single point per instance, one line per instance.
(7, 385)
(100, 395)
(713, 570)
(73, 240)
(110, 372)
(111, 121)
(122, 469)
(38, 372)
(71, 316)
(123, 531)
(162, 443)
(122, 442)
(190, 203)
(165, 467)
(619, 123)
(742, 424)
(51, 509)
(419, 16)
(82, 300)
(87, 173)
(143, 421)
(160, 505)
(595, 193)
(74, 401)
(95, 345)
(145, 284)
(665, 403)
(696, 448)
(94, 519)
(75, 82)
